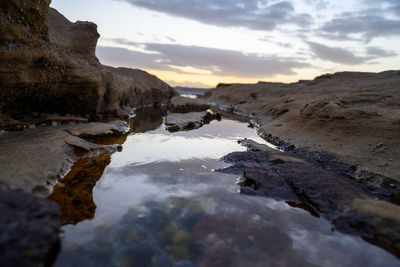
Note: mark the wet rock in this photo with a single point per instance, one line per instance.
(95, 130)
(188, 121)
(35, 159)
(308, 180)
(181, 104)
(29, 229)
(377, 221)
(89, 147)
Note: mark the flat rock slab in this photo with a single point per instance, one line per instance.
(35, 159)
(180, 104)
(188, 121)
(94, 129)
(29, 229)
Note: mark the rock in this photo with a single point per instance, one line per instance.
(307, 181)
(51, 67)
(132, 88)
(188, 121)
(87, 146)
(308, 113)
(29, 229)
(181, 104)
(38, 120)
(7, 123)
(95, 130)
(35, 159)
(377, 221)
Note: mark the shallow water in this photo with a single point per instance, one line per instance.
(159, 202)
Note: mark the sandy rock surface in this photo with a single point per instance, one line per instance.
(132, 88)
(181, 104)
(354, 116)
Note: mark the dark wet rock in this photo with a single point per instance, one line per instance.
(29, 229)
(189, 121)
(375, 220)
(181, 104)
(9, 124)
(269, 183)
(325, 160)
(317, 181)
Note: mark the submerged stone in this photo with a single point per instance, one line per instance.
(29, 229)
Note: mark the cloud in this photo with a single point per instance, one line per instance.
(368, 19)
(369, 26)
(263, 15)
(215, 61)
(379, 52)
(375, 18)
(335, 54)
(390, 6)
(269, 39)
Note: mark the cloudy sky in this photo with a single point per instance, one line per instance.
(200, 43)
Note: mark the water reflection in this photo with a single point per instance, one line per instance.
(159, 203)
(147, 119)
(74, 193)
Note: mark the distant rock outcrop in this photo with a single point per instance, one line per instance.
(48, 64)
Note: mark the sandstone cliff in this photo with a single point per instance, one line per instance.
(49, 65)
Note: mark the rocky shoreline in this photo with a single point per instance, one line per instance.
(60, 105)
(340, 134)
(353, 116)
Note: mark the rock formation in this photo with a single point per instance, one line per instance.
(319, 184)
(354, 116)
(49, 69)
(49, 65)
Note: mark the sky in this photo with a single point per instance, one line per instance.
(200, 43)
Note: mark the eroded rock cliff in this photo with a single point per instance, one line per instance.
(49, 65)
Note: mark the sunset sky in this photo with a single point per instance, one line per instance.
(200, 43)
